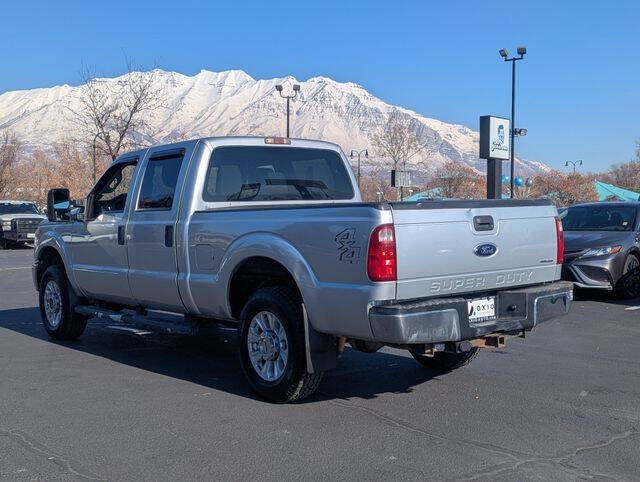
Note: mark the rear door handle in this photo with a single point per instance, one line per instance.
(168, 236)
(121, 234)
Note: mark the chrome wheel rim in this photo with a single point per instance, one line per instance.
(53, 304)
(633, 264)
(268, 346)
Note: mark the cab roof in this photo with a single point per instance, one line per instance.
(249, 140)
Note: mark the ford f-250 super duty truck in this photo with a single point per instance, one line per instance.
(18, 222)
(270, 234)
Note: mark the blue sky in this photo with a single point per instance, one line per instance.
(578, 89)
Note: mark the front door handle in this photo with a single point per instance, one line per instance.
(121, 234)
(168, 236)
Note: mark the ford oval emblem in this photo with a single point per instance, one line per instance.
(485, 250)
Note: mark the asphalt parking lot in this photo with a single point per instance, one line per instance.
(562, 404)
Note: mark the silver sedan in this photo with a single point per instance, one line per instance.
(601, 244)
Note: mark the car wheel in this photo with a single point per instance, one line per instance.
(272, 346)
(445, 362)
(627, 286)
(4, 244)
(57, 302)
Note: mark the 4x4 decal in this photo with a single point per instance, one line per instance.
(348, 252)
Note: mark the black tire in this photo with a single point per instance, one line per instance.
(627, 286)
(294, 383)
(4, 244)
(69, 325)
(445, 362)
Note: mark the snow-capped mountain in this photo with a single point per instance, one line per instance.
(233, 103)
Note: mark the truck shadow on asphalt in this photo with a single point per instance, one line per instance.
(212, 360)
(602, 296)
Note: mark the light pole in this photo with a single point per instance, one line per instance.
(574, 164)
(95, 138)
(505, 55)
(359, 153)
(296, 89)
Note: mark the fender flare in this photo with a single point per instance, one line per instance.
(266, 245)
(320, 349)
(54, 240)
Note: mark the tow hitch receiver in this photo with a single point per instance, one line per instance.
(492, 341)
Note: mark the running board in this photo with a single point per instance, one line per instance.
(184, 327)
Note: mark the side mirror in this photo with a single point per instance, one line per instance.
(58, 205)
(77, 214)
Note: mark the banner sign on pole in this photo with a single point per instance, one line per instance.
(401, 178)
(494, 137)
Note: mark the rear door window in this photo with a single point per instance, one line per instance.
(159, 183)
(239, 173)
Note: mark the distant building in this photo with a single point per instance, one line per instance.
(609, 192)
(435, 193)
(606, 192)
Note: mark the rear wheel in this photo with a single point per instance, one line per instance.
(628, 285)
(57, 302)
(445, 362)
(272, 346)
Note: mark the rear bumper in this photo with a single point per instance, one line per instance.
(446, 319)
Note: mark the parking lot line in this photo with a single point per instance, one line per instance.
(11, 269)
(632, 308)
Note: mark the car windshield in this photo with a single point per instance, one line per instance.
(276, 174)
(598, 218)
(18, 208)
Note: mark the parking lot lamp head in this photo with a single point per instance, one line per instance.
(503, 53)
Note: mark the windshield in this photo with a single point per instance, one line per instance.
(276, 174)
(18, 208)
(598, 218)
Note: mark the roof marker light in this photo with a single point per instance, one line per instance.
(277, 140)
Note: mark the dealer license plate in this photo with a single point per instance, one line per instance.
(481, 309)
(31, 235)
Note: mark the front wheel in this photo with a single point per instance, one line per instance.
(627, 287)
(445, 362)
(57, 302)
(272, 346)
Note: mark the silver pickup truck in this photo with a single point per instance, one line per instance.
(18, 222)
(269, 235)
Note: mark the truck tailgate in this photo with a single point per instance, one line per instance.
(442, 251)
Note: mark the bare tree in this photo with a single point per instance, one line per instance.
(564, 189)
(9, 149)
(455, 180)
(625, 175)
(400, 139)
(114, 113)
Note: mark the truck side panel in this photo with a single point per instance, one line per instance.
(323, 247)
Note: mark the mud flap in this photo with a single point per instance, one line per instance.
(321, 350)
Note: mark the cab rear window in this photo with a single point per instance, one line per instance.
(246, 173)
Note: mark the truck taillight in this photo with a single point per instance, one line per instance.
(381, 259)
(560, 243)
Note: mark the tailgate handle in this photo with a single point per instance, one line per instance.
(483, 223)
